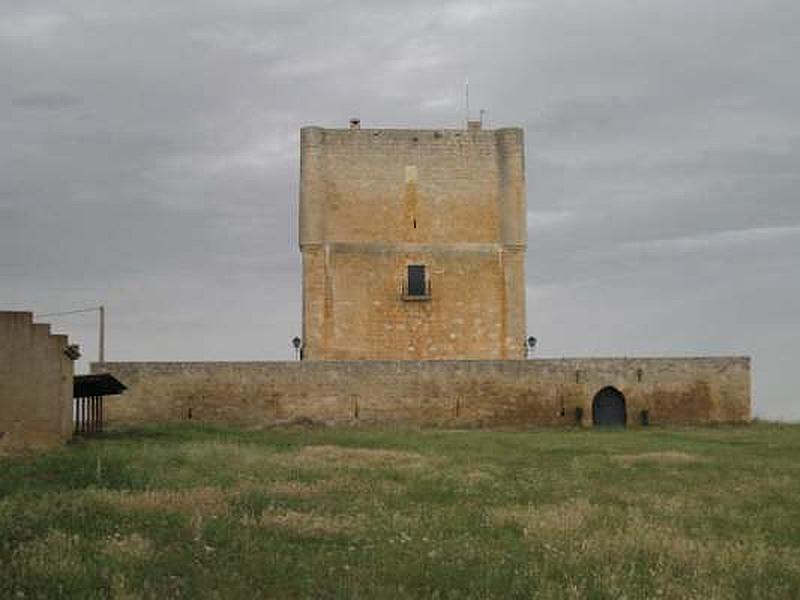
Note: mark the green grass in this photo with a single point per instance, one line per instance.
(201, 512)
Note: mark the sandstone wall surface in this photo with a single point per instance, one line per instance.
(35, 383)
(517, 394)
(374, 201)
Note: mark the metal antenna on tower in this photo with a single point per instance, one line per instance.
(466, 103)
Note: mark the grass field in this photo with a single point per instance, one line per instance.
(191, 512)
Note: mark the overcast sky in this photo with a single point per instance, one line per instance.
(149, 162)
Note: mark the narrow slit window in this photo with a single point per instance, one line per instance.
(416, 280)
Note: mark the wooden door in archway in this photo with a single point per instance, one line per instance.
(608, 408)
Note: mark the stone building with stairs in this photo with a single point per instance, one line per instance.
(36, 383)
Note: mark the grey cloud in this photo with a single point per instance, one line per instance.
(46, 100)
(149, 161)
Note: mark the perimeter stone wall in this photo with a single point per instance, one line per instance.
(516, 394)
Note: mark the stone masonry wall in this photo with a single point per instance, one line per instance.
(35, 384)
(368, 318)
(374, 201)
(516, 394)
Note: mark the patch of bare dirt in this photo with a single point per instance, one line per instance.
(291, 424)
(674, 505)
(546, 520)
(306, 523)
(202, 500)
(642, 533)
(477, 476)
(133, 546)
(668, 457)
(55, 554)
(311, 456)
(298, 489)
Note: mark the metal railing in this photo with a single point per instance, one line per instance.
(87, 415)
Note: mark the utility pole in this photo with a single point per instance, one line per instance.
(102, 340)
(101, 310)
(466, 103)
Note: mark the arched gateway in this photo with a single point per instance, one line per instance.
(608, 407)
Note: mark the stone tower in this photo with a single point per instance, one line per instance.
(413, 243)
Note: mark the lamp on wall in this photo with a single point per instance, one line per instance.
(298, 347)
(530, 345)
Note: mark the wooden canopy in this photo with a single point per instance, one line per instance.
(103, 384)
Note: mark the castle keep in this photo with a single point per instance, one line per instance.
(413, 246)
(413, 243)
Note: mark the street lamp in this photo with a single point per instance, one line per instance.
(298, 347)
(530, 345)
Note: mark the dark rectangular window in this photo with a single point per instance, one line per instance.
(416, 280)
